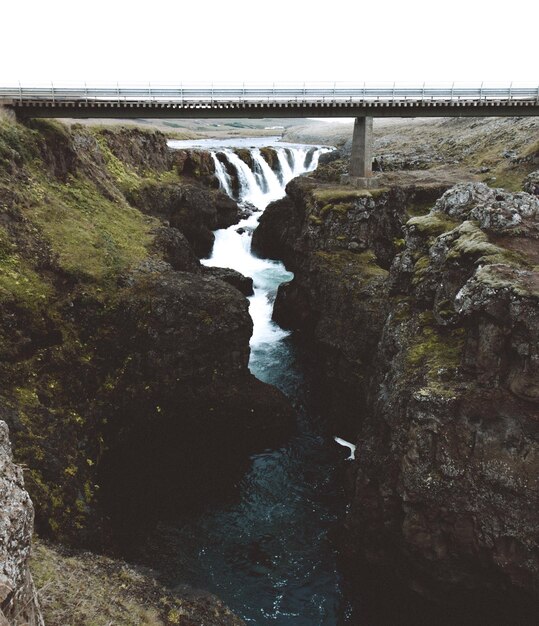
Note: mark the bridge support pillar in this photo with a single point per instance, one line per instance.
(361, 158)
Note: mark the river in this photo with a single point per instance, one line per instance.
(266, 551)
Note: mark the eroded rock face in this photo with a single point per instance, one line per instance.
(448, 468)
(187, 410)
(339, 242)
(444, 350)
(18, 601)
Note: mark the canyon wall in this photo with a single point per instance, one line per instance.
(422, 317)
(123, 361)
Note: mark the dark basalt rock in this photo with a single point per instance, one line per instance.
(175, 249)
(186, 403)
(197, 164)
(435, 364)
(241, 282)
(195, 211)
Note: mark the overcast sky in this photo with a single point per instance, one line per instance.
(242, 40)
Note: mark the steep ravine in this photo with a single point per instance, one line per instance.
(423, 336)
(125, 381)
(265, 549)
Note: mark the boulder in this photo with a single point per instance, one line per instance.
(18, 598)
(242, 283)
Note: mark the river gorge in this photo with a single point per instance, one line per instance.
(266, 551)
(186, 326)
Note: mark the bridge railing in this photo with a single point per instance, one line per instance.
(277, 92)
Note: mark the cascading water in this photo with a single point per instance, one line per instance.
(266, 554)
(232, 245)
(224, 177)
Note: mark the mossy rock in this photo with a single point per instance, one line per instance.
(431, 225)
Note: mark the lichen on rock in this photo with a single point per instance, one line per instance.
(18, 600)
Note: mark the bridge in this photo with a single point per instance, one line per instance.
(363, 102)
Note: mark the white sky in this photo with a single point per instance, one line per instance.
(241, 40)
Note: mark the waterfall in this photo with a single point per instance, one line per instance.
(258, 186)
(261, 185)
(250, 190)
(272, 184)
(222, 175)
(286, 173)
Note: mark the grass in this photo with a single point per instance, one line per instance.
(83, 589)
(339, 194)
(18, 281)
(94, 238)
(363, 264)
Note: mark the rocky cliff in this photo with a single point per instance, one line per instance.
(123, 362)
(423, 318)
(18, 599)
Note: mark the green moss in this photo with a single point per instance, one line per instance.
(436, 351)
(364, 263)
(93, 237)
(502, 277)
(334, 195)
(125, 176)
(473, 242)
(420, 268)
(378, 192)
(399, 244)
(418, 209)
(342, 207)
(17, 145)
(433, 224)
(18, 281)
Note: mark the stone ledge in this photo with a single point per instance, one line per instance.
(371, 182)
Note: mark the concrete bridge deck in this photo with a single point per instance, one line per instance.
(286, 101)
(270, 101)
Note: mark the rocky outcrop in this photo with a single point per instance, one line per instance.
(144, 151)
(438, 359)
(195, 164)
(194, 210)
(243, 283)
(339, 243)
(18, 599)
(531, 184)
(448, 463)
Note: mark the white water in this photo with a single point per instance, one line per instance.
(232, 249)
(223, 176)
